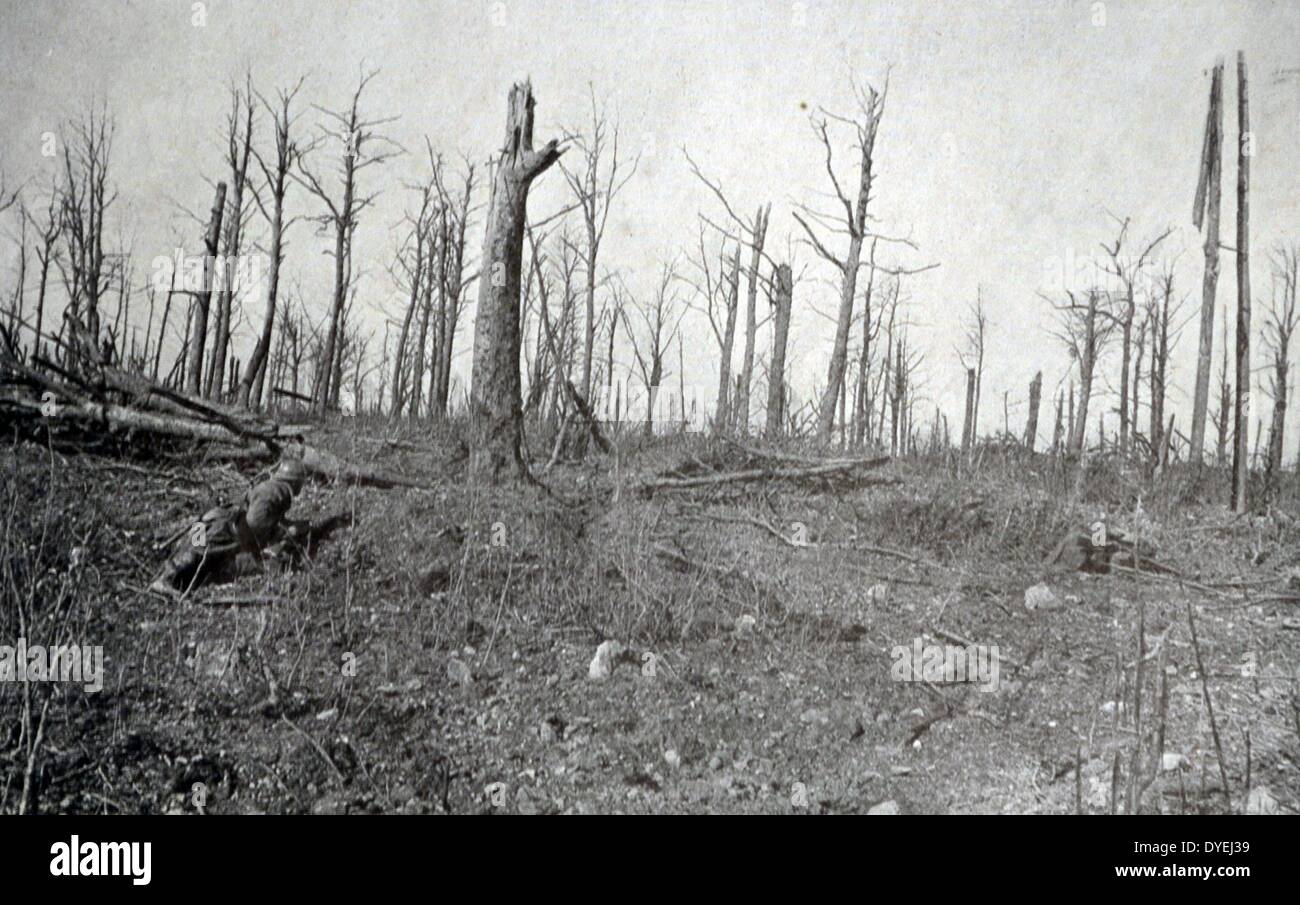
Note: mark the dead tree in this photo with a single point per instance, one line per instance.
(453, 281)
(1126, 270)
(494, 402)
(850, 219)
(593, 193)
(1241, 451)
(1205, 210)
(409, 269)
(1031, 426)
(870, 332)
(203, 297)
(239, 146)
(1084, 330)
(47, 229)
(973, 360)
(661, 319)
(871, 108)
(1279, 325)
(1162, 312)
(362, 146)
(85, 199)
(753, 233)
(966, 431)
(1058, 426)
(782, 299)
(1225, 401)
(276, 176)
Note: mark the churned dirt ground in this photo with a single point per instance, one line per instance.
(434, 657)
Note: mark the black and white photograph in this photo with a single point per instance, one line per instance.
(616, 407)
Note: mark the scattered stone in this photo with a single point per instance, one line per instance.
(878, 593)
(459, 672)
(327, 714)
(1040, 597)
(1110, 707)
(744, 626)
(602, 665)
(884, 809)
(900, 771)
(715, 762)
(672, 758)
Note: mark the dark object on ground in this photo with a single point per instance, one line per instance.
(1077, 552)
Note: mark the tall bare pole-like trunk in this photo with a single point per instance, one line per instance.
(203, 298)
(238, 159)
(276, 174)
(1035, 395)
(495, 404)
(1240, 456)
(970, 410)
(1087, 366)
(1058, 427)
(757, 237)
(722, 410)
(782, 301)
(1206, 209)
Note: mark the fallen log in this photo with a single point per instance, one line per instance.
(164, 412)
(840, 469)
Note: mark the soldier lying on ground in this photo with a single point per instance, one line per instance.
(253, 527)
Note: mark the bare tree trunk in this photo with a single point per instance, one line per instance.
(199, 329)
(1087, 365)
(722, 411)
(238, 160)
(1058, 426)
(966, 438)
(757, 239)
(1207, 204)
(1035, 395)
(782, 301)
(1240, 460)
(495, 403)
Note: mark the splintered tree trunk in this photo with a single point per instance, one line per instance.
(496, 412)
(1087, 365)
(970, 410)
(257, 361)
(751, 322)
(780, 337)
(1207, 202)
(1240, 460)
(1276, 431)
(840, 350)
(202, 299)
(1035, 395)
(1058, 426)
(722, 416)
(1069, 434)
(1126, 360)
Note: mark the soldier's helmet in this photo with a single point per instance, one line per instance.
(292, 472)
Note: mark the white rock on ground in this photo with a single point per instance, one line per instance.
(602, 665)
(1040, 597)
(885, 808)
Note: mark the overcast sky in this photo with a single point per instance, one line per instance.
(1011, 129)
